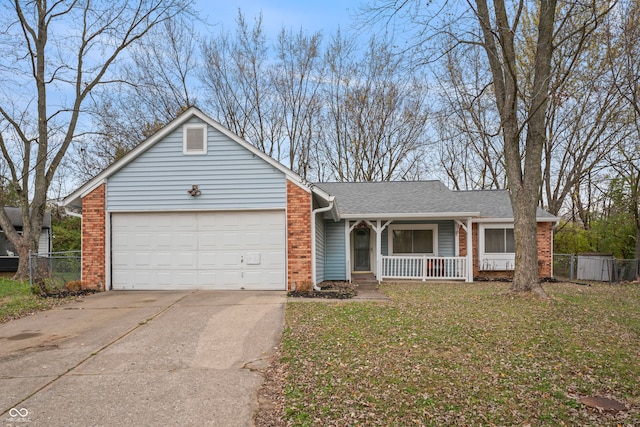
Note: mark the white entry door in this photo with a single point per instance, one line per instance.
(198, 250)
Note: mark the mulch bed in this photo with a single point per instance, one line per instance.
(336, 289)
(64, 293)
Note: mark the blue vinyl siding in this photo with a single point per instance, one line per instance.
(320, 248)
(335, 258)
(446, 236)
(229, 177)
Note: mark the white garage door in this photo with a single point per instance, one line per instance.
(203, 250)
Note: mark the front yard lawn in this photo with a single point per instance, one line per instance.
(463, 354)
(16, 300)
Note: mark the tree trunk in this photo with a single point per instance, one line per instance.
(525, 277)
(637, 252)
(22, 248)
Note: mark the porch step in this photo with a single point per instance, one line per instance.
(367, 277)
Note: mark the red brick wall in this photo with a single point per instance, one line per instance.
(93, 239)
(545, 249)
(298, 238)
(545, 252)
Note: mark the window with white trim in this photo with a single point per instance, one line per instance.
(497, 247)
(499, 241)
(195, 139)
(6, 248)
(409, 239)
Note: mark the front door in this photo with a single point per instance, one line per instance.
(361, 241)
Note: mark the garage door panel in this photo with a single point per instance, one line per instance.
(230, 278)
(253, 239)
(164, 240)
(186, 260)
(256, 279)
(140, 259)
(274, 238)
(204, 250)
(229, 239)
(207, 278)
(208, 240)
(228, 220)
(140, 240)
(207, 260)
(208, 222)
(163, 260)
(120, 260)
(271, 256)
(231, 260)
(185, 279)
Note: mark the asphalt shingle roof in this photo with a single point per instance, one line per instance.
(15, 215)
(418, 197)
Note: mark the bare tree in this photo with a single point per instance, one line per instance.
(376, 114)
(55, 55)
(239, 89)
(157, 84)
(624, 69)
(296, 77)
(581, 116)
(468, 125)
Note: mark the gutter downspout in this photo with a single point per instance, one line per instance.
(313, 241)
(71, 213)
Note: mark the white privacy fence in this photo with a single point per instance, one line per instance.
(595, 267)
(423, 267)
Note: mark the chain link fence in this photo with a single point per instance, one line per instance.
(597, 268)
(564, 267)
(54, 272)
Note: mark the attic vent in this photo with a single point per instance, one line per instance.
(195, 141)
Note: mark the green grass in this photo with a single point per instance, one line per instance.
(16, 300)
(464, 354)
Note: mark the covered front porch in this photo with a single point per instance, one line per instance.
(408, 248)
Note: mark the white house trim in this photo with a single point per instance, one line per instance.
(505, 261)
(315, 212)
(205, 133)
(412, 216)
(510, 220)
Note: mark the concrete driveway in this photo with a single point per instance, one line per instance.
(140, 358)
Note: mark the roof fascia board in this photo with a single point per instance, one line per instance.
(489, 220)
(438, 215)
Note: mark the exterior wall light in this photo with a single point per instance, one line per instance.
(194, 192)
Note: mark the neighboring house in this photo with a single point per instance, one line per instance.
(8, 254)
(197, 207)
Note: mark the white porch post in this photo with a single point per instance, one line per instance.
(469, 251)
(378, 250)
(347, 249)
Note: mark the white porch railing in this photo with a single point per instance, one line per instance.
(424, 267)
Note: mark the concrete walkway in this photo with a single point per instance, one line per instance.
(140, 358)
(370, 292)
